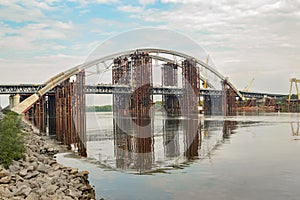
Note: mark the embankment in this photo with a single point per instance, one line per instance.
(39, 176)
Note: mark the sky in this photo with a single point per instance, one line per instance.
(257, 39)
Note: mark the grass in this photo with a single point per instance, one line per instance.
(11, 139)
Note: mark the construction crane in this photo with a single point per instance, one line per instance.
(246, 89)
(296, 81)
(205, 78)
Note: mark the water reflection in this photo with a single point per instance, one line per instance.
(295, 131)
(171, 138)
(142, 145)
(133, 145)
(191, 132)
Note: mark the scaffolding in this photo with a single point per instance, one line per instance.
(170, 79)
(190, 87)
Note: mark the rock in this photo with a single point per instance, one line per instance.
(68, 169)
(32, 159)
(54, 173)
(5, 180)
(15, 163)
(72, 192)
(14, 168)
(30, 168)
(68, 198)
(19, 178)
(84, 173)
(51, 189)
(56, 166)
(5, 192)
(34, 184)
(32, 196)
(51, 162)
(41, 158)
(22, 190)
(56, 197)
(42, 168)
(4, 173)
(26, 191)
(31, 175)
(74, 171)
(23, 172)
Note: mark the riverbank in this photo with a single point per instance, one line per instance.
(39, 176)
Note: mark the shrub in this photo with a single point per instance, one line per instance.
(11, 140)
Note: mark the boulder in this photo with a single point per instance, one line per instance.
(4, 173)
(42, 168)
(32, 196)
(5, 180)
(23, 172)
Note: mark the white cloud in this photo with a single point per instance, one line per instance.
(131, 9)
(258, 33)
(146, 2)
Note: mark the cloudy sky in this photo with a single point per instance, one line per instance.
(257, 39)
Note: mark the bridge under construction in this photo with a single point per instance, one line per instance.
(59, 103)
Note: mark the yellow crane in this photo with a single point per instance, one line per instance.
(295, 81)
(246, 89)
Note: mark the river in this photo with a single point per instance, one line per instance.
(248, 156)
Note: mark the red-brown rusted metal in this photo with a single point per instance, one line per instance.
(170, 78)
(190, 87)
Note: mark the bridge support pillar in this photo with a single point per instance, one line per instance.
(133, 127)
(142, 97)
(121, 75)
(191, 87)
(14, 100)
(70, 120)
(51, 115)
(228, 100)
(207, 104)
(170, 78)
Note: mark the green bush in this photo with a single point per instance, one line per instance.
(106, 108)
(11, 140)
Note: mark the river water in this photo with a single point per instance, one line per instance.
(248, 156)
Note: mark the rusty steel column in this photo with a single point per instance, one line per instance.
(79, 113)
(51, 115)
(70, 113)
(191, 101)
(142, 98)
(170, 78)
(190, 86)
(133, 142)
(121, 75)
(228, 99)
(42, 114)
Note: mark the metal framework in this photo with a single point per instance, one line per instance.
(53, 82)
(293, 104)
(63, 100)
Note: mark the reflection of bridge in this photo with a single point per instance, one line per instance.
(60, 102)
(174, 138)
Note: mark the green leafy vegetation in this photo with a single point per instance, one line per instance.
(106, 108)
(11, 140)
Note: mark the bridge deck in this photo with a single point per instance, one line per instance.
(27, 89)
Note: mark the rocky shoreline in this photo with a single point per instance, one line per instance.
(39, 177)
